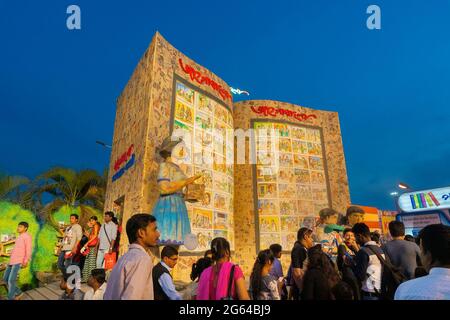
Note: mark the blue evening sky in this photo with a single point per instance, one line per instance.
(391, 86)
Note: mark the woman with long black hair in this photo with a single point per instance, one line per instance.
(215, 281)
(321, 277)
(197, 269)
(91, 247)
(263, 285)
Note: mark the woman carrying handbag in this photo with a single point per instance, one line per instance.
(224, 280)
(89, 250)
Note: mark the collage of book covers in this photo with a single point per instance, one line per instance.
(201, 116)
(291, 181)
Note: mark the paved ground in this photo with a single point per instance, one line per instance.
(50, 292)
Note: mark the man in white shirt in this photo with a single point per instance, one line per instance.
(97, 285)
(107, 238)
(72, 237)
(435, 257)
(131, 277)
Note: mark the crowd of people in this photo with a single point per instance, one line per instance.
(331, 262)
(331, 265)
(85, 248)
(88, 249)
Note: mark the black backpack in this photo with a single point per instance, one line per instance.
(391, 277)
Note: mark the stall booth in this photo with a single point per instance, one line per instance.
(421, 208)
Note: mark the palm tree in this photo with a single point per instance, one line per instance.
(10, 185)
(20, 190)
(29, 198)
(84, 189)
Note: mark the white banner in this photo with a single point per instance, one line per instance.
(420, 220)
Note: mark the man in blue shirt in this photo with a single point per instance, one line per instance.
(435, 256)
(163, 286)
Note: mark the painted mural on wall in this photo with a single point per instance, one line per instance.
(291, 183)
(206, 152)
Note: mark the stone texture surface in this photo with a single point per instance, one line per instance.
(143, 118)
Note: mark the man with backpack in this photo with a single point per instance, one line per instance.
(379, 278)
(107, 238)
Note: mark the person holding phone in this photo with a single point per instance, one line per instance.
(345, 260)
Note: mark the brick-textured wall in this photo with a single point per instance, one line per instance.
(133, 114)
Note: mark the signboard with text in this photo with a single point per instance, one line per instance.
(420, 220)
(426, 200)
(414, 222)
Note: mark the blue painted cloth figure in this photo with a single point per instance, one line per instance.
(170, 211)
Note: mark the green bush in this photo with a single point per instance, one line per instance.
(44, 258)
(63, 214)
(44, 238)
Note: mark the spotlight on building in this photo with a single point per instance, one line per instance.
(404, 186)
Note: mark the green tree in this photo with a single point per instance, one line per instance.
(10, 185)
(20, 190)
(83, 191)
